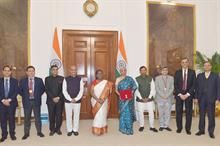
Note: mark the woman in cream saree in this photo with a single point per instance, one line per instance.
(100, 91)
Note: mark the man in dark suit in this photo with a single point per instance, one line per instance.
(8, 103)
(184, 85)
(207, 94)
(55, 99)
(31, 90)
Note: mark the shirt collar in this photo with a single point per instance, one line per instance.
(5, 78)
(29, 78)
(183, 69)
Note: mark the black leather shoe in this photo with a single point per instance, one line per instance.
(141, 129)
(40, 134)
(188, 132)
(13, 137)
(168, 129)
(161, 129)
(51, 133)
(59, 132)
(154, 129)
(69, 133)
(3, 139)
(25, 136)
(211, 135)
(178, 131)
(200, 133)
(76, 133)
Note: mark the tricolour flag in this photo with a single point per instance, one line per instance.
(121, 58)
(56, 56)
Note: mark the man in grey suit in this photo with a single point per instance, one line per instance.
(164, 95)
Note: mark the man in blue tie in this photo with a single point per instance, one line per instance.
(8, 102)
(31, 90)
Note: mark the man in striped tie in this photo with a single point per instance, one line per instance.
(184, 86)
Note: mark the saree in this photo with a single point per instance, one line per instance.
(126, 107)
(100, 112)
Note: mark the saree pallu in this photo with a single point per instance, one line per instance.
(100, 111)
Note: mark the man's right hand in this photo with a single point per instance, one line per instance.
(182, 97)
(6, 102)
(56, 99)
(145, 99)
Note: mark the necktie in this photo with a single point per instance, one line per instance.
(6, 87)
(31, 92)
(184, 80)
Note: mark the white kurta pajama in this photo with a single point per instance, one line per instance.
(141, 107)
(72, 124)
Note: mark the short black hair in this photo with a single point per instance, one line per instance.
(164, 67)
(53, 66)
(29, 67)
(98, 70)
(142, 68)
(184, 58)
(7, 66)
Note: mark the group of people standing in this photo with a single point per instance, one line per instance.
(135, 97)
(140, 94)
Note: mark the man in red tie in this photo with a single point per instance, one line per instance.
(184, 85)
(31, 90)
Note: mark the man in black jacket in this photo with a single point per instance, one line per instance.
(55, 99)
(207, 94)
(184, 85)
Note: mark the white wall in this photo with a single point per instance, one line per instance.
(128, 16)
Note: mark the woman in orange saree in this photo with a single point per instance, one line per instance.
(100, 90)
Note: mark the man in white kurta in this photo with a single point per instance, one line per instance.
(73, 91)
(144, 98)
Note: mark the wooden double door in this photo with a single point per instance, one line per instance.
(89, 51)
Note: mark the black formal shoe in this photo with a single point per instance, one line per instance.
(153, 129)
(178, 131)
(211, 135)
(161, 129)
(51, 133)
(69, 133)
(76, 133)
(168, 129)
(25, 136)
(40, 134)
(188, 132)
(13, 137)
(141, 129)
(59, 132)
(200, 133)
(3, 139)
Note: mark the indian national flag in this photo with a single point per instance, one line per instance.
(121, 58)
(56, 56)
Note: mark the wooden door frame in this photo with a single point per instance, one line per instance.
(114, 34)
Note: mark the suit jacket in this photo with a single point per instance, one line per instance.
(208, 88)
(53, 88)
(38, 91)
(13, 91)
(161, 85)
(178, 82)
